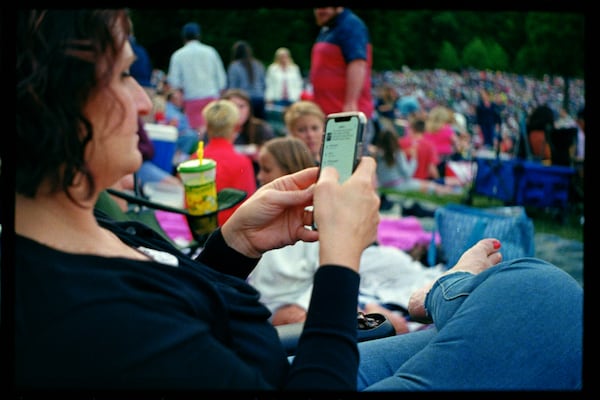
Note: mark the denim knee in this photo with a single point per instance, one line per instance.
(447, 295)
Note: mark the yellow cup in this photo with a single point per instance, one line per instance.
(198, 177)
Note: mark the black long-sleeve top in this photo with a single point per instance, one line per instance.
(91, 322)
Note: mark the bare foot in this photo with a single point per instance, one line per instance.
(396, 319)
(483, 255)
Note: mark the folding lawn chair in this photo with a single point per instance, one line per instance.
(144, 210)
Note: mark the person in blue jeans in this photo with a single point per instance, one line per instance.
(515, 325)
(187, 139)
(530, 340)
(112, 305)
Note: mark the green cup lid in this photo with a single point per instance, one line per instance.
(192, 166)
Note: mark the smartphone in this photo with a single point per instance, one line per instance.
(342, 145)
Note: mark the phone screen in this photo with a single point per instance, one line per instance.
(340, 144)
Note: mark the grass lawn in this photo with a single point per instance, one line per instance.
(567, 226)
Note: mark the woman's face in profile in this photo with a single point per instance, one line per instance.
(243, 107)
(113, 112)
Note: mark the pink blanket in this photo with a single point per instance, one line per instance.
(404, 233)
(175, 225)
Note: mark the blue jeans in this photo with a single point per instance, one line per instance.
(515, 326)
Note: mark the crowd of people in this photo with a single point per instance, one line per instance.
(443, 116)
(418, 120)
(482, 109)
(112, 305)
(470, 93)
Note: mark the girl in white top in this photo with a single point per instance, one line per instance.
(283, 80)
(284, 276)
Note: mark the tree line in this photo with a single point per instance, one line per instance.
(533, 43)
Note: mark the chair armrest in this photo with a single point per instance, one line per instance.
(226, 198)
(379, 327)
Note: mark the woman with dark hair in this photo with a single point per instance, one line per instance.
(252, 132)
(103, 305)
(251, 129)
(247, 73)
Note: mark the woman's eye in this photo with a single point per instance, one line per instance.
(125, 74)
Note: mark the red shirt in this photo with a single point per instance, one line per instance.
(234, 170)
(346, 39)
(426, 154)
(443, 140)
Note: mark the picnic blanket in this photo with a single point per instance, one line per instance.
(175, 225)
(403, 233)
(388, 276)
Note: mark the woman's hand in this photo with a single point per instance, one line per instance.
(347, 215)
(274, 216)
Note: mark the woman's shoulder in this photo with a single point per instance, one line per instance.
(235, 65)
(258, 63)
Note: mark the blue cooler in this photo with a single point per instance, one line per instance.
(164, 138)
(495, 178)
(544, 185)
(525, 183)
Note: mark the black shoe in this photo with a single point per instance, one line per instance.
(385, 204)
(418, 211)
(409, 210)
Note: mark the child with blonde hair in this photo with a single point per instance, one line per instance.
(234, 170)
(306, 120)
(221, 118)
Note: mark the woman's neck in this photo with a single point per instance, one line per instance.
(56, 221)
(53, 215)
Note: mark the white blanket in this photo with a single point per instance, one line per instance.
(388, 275)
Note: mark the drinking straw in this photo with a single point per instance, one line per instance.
(200, 151)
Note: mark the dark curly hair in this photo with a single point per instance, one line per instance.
(63, 57)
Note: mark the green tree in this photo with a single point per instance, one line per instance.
(448, 58)
(555, 46)
(531, 43)
(475, 54)
(390, 51)
(498, 57)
